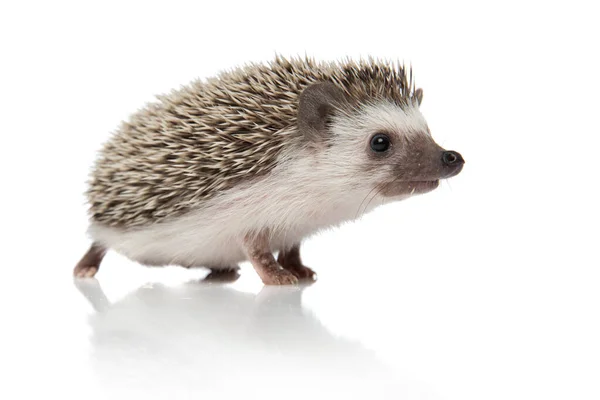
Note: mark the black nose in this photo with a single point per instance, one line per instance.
(452, 158)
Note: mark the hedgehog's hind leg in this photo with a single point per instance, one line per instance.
(88, 266)
(290, 260)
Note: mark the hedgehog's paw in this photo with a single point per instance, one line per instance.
(303, 273)
(222, 275)
(279, 277)
(290, 260)
(87, 271)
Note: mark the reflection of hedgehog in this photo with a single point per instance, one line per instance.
(257, 159)
(201, 339)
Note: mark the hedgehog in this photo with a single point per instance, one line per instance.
(246, 165)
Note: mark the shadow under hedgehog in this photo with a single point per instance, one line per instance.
(251, 162)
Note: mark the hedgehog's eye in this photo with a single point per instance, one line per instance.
(380, 143)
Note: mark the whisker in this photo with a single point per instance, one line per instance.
(375, 195)
(362, 202)
(379, 189)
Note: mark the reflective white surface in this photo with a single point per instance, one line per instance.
(215, 340)
(429, 331)
(487, 288)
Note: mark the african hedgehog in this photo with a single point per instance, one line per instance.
(256, 159)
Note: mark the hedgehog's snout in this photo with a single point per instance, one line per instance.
(452, 163)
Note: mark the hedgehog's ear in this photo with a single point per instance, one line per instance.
(419, 96)
(316, 104)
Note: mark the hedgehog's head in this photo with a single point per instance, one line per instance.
(381, 143)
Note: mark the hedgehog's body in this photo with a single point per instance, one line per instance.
(291, 202)
(256, 160)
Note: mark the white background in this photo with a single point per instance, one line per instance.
(488, 288)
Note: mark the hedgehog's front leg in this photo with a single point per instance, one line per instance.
(290, 260)
(259, 254)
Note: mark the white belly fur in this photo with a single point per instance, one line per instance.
(291, 203)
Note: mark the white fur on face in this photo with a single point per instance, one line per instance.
(308, 191)
(382, 116)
